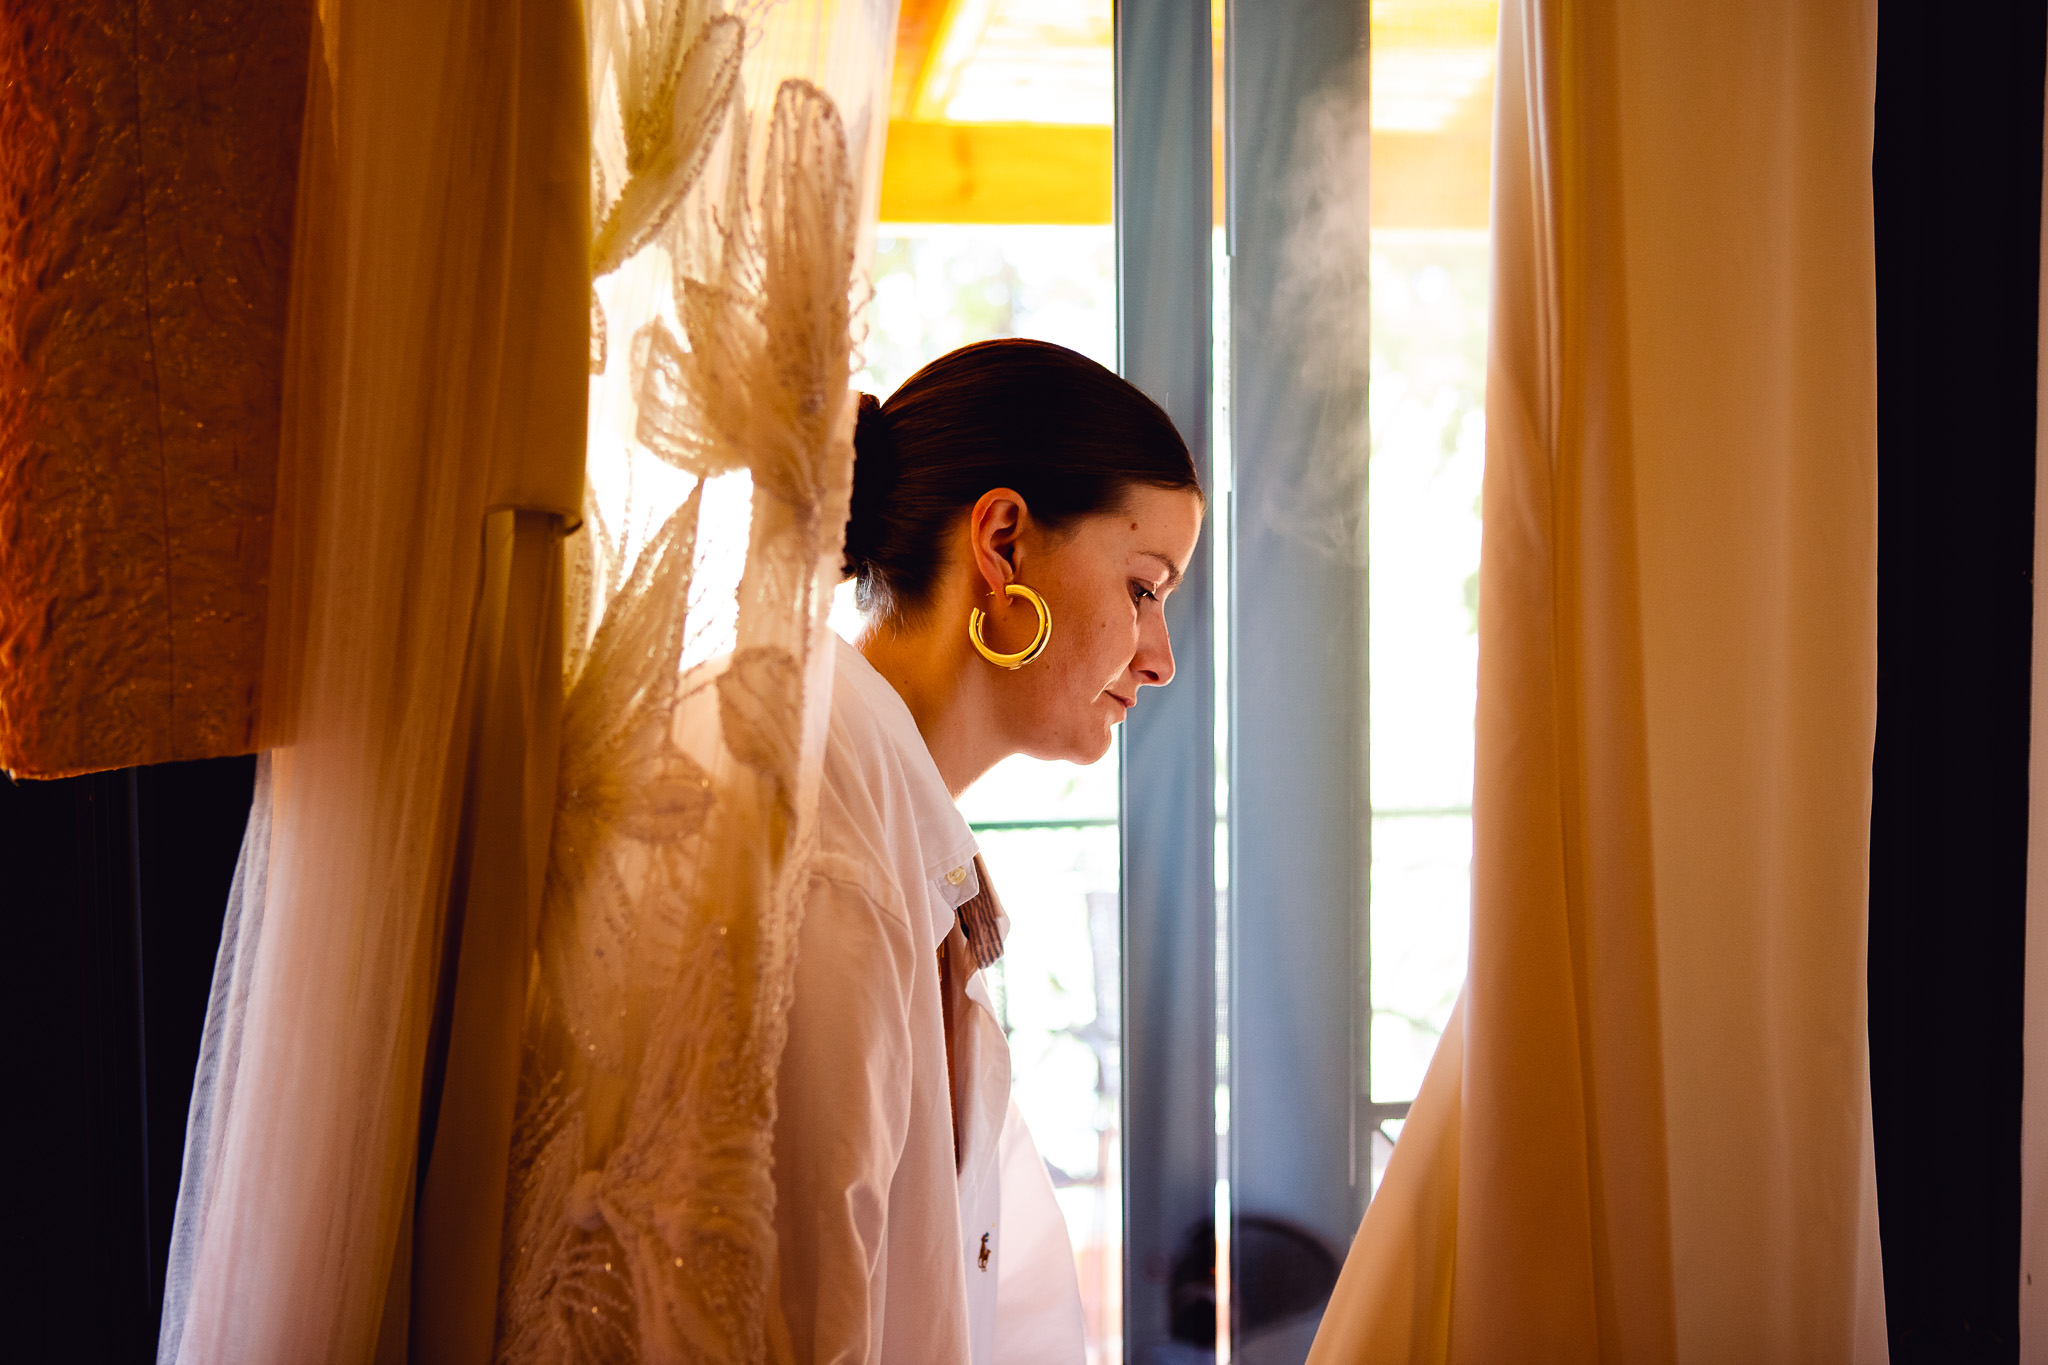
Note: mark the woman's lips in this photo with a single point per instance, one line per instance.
(1125, 702)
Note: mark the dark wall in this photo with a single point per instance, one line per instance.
(111, 893)
(1957, 174)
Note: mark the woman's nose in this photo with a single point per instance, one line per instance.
(1154, 661)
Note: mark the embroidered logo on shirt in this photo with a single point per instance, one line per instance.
(982, 1260)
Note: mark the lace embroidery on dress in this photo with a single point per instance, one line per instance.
(640, 1217)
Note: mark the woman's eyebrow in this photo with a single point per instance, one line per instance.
(1172, 573)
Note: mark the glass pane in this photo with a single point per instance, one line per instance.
(1429, 336)
(1029, 789)
(943, 285)
(1432, 84)
(1057, 992)
(1028, 61)
(1421, 892)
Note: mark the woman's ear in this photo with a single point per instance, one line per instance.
(994, 526)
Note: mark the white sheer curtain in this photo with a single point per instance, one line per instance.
(1646, 1135)
(434, 370)
(642, 1219)
(454, 206)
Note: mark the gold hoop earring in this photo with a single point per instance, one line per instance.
(975, 618)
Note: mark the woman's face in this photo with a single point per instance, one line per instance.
(1106, 579)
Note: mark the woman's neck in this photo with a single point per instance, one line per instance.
(934, 671)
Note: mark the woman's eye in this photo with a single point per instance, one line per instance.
(1143, 593)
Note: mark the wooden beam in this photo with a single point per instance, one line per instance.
(997, 173)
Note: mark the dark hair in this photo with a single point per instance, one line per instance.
(1070, 436)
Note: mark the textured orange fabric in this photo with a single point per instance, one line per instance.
(148, 156)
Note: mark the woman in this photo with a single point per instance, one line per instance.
(1020, 516)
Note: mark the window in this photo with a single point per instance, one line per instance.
(1304, 1024)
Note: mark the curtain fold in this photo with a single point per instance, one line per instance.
(435, 368)
(472, 1072)
(1650, 1138)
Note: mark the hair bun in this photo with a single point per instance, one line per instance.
(874, 474)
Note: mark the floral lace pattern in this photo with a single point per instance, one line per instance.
(640, 1218)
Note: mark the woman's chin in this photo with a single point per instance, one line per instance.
(1071, 750)
(1099, 748)
(1083, 740)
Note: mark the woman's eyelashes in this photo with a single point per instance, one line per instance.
(1143, 592)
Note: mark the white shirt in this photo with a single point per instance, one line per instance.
(881, 1238)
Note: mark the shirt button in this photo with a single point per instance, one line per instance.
(956, 876)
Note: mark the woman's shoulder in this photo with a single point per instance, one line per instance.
(866, 712)
(872, 747)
